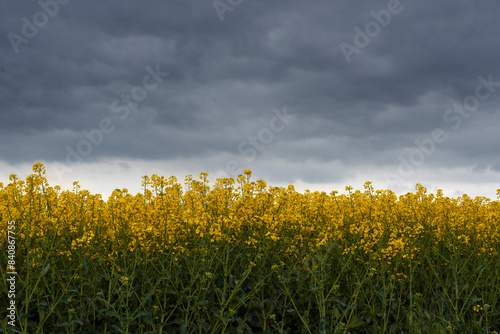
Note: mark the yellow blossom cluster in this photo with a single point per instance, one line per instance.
(169, 217)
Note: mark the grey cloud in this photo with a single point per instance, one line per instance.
(226, 77)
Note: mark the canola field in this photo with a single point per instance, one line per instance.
(239, 256)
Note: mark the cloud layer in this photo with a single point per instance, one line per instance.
(69, 66)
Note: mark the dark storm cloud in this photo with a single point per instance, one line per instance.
(225, 77)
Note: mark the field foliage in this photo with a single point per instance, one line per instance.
(241, 257)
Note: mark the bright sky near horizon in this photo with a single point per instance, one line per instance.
(320, 94)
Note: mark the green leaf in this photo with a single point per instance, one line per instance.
(45, 270)
(201, 303)
(112, 314)
(355, 322)
(140, 314)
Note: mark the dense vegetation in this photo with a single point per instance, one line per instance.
(242, 257)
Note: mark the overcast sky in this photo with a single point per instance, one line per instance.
(319, 94)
